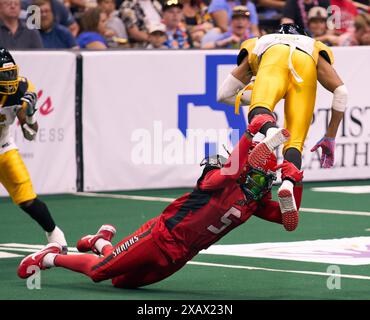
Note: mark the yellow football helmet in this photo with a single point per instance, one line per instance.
(8, 73)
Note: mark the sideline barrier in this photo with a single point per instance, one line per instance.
(51, 159)
(139, 105)
(120, 120)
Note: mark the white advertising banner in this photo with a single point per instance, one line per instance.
(50, 159)
(150, 117)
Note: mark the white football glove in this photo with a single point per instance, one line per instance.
(28, 132)
(30, 98)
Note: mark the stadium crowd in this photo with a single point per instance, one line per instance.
(174, 24)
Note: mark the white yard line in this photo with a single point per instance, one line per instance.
(353, 213)
(19, 247)
(122, 196)
(314, 273)
(161, 199)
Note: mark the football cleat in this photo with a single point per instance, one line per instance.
(288, 209)
(87, 243)
(57, 236)
(261, 152)
(35, 260)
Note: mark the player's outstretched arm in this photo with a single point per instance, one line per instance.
(217, 179)
(330, 80)
(235, 82)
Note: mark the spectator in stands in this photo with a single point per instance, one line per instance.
(93, 26)
(14, 34)
(360, 36)
(346, 16)
(61, 15)
(239, 32)
(138, 15)
(221, 12)
(318, 27)
(194, 12)
(296, 11)
(196, 19)
(114, 22)
(317, 17)
(77, 7)
(363, 6)
(53, 35)
(269, 13)
(177, 35)
(157, 37)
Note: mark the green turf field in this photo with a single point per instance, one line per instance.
(222, 276)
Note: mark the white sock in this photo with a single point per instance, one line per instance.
(100, 244)
(57, 236)
(270, 132)
(48, 260)
(287, 184)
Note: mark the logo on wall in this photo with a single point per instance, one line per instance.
(236, 122)
(46, 106)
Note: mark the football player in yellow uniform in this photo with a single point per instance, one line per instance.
(18, 100)
(287, 65)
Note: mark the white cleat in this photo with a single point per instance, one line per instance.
(288, 209)
(57, 236)
(262, 151)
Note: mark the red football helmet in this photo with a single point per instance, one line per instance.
(258, 182)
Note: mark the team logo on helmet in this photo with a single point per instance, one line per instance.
(292, 28)
(8, 73)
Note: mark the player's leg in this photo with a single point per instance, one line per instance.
(148, 275)
(16, 179)
(298, 111)
(128, 255)
(51, 256)
(269, 88)
(141, 265)
(137, 260)
(100, 243)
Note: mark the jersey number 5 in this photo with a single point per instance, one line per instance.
(225, 220)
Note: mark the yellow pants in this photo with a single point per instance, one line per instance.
(15, 178)
(274, 81)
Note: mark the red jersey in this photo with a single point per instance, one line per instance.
(216, 206)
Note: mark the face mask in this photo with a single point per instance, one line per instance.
(257, 184)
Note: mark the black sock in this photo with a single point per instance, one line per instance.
(39, 212)
(262, 110)
(294, 156)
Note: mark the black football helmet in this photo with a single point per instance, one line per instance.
(291, 28)
(8, 73)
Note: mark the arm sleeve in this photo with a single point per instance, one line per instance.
(217, 179)
(270, 209)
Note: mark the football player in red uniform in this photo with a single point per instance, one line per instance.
(223, 198)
